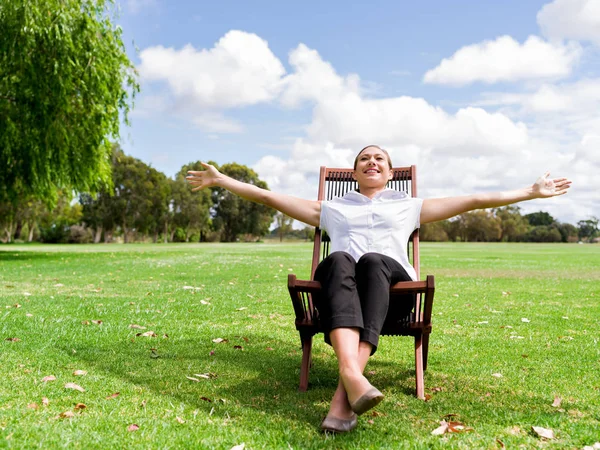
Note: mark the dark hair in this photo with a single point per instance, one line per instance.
(378, 147)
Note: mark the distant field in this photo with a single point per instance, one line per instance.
(516, 329)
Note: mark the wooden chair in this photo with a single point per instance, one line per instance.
(335, 183)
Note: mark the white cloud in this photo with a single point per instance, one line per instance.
(571, 19)
(505, 142)
(506, 60)
(239, 70)
(580, 97)
(217, 123)
(136, 6)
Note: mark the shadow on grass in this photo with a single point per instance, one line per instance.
(252, 378)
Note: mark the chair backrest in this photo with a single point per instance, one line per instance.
(337, 182)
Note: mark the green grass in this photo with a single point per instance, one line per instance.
(484, 291)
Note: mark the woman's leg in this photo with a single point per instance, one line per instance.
(374, 275)
(341, 318)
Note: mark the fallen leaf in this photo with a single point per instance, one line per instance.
(497, 375)
(16, 305)
(179, 419)
(58, 285)
(13, 339)
(212, 353)
(525, 319)
(203, 375)
(457, 427)
(220, 340)
(66, 415)
(97, 322)
(556, 402)
(238, 347)
(482, 322)
(193, 379)
(27, 294)
(139, 327)
(269, 348)
(45, 401)
(133, 427)
(544, 433)
(79, 406)
(206, 399)
(74, 386)
(111, 396)
(29, 315)
(147, 334)
(500, 443)
(33, 406)
(239, 447)
(592, 447)
(370, 421)
(80, 373)
(85, 322)
(143, 404)
(241, 309)
(441, 429)
(204, 302)
(49, 378)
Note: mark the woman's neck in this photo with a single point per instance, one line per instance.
(371, 192)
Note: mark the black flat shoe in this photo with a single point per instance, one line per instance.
(368, 400)
(335, 425)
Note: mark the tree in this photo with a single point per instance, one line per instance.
(588, 229)
(191, 210)
(433, 232)
(65, 85)
(512, 223)
(539, 218)
(568, 232)
(479, 226)
(543, 233)
(233, 215)
(284, 224)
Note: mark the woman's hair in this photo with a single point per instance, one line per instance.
(378, 147)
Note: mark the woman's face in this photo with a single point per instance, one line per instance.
(372, 168)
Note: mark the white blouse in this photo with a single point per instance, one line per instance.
(357, 224)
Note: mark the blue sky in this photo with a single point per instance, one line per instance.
(480, 95)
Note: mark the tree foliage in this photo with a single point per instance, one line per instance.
(65, 81)
(235, 216)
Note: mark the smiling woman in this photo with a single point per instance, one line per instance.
(369, 230)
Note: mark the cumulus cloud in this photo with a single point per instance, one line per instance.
(504, 59)
(239, 70)
(505, 141)
(580, 97)
(571, 19)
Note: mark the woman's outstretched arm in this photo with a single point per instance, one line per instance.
(306, 211)
(443, 208)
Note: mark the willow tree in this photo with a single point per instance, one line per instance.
(66, 84)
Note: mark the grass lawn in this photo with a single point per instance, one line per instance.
(514, 345)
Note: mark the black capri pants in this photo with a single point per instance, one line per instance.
(357, 294)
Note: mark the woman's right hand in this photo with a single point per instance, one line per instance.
(204, 178)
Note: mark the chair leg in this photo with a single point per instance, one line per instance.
(425, 350)
(419, 367)
(306, 363)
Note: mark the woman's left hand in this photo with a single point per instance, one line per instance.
(545, 187)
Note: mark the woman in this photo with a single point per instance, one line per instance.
(369, 231)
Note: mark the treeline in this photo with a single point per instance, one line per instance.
(144, 205)
(506, 224)
(141, 205)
